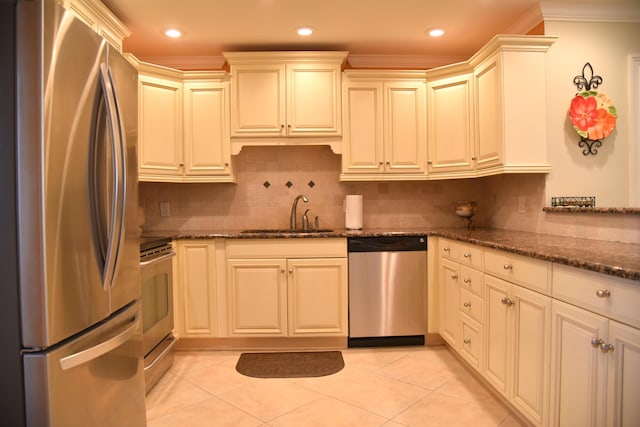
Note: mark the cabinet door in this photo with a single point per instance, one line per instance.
(450, 125)
(498, 325)
(405, 127)
(362, 150)
(258, 100)
(313, 100)
(257, 295)
(206, 129)
(450, 302)
(318, 293)
(623, 389)
(578, 368)
(489, 113)
(195, 313)
(159, 127)
(531, 354)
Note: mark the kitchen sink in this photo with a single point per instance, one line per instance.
(286, 231)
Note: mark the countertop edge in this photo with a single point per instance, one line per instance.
(593, 255)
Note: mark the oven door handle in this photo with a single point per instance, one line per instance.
(161, 258)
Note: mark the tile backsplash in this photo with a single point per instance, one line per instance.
(269, 178)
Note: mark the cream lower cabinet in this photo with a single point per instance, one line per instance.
(517, 346)
(287, 291)
(195, 290)
(384, 134)
(595, 367)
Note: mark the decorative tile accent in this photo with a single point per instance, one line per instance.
(266, 184)
(582, 201)
(311, 184)
(289, 184)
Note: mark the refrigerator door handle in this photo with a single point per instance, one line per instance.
(116, 217)
(104, 347)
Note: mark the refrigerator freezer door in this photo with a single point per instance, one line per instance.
(95, 380)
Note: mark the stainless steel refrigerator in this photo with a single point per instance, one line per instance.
(78, 242)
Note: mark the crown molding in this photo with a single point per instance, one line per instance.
(187, 62)
(590, 12)
(526, 22)
(402, 61)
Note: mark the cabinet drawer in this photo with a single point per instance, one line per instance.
(609, 296)
(471, 304)
(287, 248)
(463, 253)
(470, 344)
(528, 272)
(471, 280)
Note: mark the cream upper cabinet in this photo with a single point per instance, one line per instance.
(450, 123)
(384, 126)
(160, 139)
(510, 105)
(595, 350)
(183, 126)
(207, 150)
(487, 115)
(287, 287)
(279, 95)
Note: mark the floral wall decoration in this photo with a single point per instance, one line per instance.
(592, 113)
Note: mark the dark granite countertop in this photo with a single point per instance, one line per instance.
(612, 258)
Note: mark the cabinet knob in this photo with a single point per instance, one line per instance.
(429, 162)
(467, 341)
(291, 270)
(466, 280)
(467, 255)
(282, 270)
(474, 158)
(181, 165)
(507, 301)
(606, 348)
(596, 342)
(467, 304)
(446, 249)
(454, 276)
(603, 293)
(508, 267)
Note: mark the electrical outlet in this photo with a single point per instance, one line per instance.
(521, 204)
(165, 209)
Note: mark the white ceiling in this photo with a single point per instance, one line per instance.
(372, 31)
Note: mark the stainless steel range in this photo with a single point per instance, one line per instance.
(156, 278)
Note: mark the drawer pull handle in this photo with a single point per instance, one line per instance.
(506, 301)
(508, 267)
(454, 276)
(447, 249)
(467, 341)
(467, 255)
(467, 304)
(467, 280)
(597, 342)
(603, 293)
(606, 348)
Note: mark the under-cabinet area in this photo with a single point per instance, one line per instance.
(559, 343)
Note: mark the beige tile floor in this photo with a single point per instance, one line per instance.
(392, 386)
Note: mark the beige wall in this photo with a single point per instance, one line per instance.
(606, 46)
(249, 204)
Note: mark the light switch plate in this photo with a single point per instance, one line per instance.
(165, 209)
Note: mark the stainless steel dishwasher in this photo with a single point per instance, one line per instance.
(387, 290)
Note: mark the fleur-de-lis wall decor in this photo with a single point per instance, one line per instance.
(592, 113)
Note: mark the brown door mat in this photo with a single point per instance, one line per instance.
(290, 364)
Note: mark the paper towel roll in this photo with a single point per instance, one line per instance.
(353, 212)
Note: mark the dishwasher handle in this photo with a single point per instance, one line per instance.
(387, 244)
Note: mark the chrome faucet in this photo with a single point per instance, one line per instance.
(292, 219)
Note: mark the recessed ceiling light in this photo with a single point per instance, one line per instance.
(173, 33)
(435, 32)
(304, 31)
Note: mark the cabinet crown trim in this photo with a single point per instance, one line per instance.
(286, 56)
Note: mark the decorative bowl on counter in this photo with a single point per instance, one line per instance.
(465, 210)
